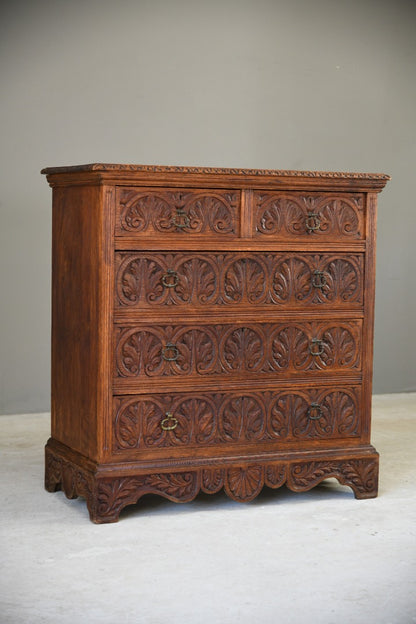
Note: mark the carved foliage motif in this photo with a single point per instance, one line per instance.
(179, 211)
(107, 496)
(115, 494)
(230, 349)
(208, 418)
(288, 279)
(301, 215)
(360, 474)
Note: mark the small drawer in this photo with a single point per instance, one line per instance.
(177, 213)
(266, 350)
(150, 280)
(312, 216)
(287, 415)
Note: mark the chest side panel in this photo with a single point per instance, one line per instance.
(75, 315)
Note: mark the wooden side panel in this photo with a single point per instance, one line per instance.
(78, 319)
(369, 300)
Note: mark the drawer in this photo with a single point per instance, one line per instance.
(287, 415)
(312, 216)
(243, 350)
(177, 213)
(293, 280)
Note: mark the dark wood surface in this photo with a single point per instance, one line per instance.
(211, 328)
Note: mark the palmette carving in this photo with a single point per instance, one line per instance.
(299, 215)
(236, 278)
(275, 475)
(174, 212)
(106, 497)
(244, 483)
(212, 350)
(212, 480)
(245, 279)
(205, 419)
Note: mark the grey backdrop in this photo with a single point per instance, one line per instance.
(307, 84)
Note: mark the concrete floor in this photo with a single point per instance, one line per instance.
(320, 557)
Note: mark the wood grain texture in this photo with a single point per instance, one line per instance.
(211, 329)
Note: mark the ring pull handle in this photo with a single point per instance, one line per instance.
(312, 222)
(314, 411)
(169, 422)
(170, 279)
(170, 352)
(181, 219)
(318, 279)
(316, 346)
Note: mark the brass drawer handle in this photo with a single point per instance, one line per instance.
(170, 279)
(169, 422)
(318, 279)
(170, 352)
(314, 411)
(319, 344)
(181, 219)
(312, 222)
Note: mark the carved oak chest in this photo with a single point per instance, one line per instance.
(211, 328)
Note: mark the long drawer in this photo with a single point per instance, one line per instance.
(285, 416)
(243, 350)
(149, 280)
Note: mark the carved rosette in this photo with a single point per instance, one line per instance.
(299, 215)
(178, 212)
(204, 419)
(107, 496)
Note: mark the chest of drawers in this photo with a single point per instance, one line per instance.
(211, 328)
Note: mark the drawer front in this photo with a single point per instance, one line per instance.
(203, 419)
(293, 280)
(178, 213)
(308, 216)
(160, 351)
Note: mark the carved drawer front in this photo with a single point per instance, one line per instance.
(292, 280)
(309, 215)
(154, 351)
(205, 418)
(178, 213)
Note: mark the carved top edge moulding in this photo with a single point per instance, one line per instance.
(125, 173)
